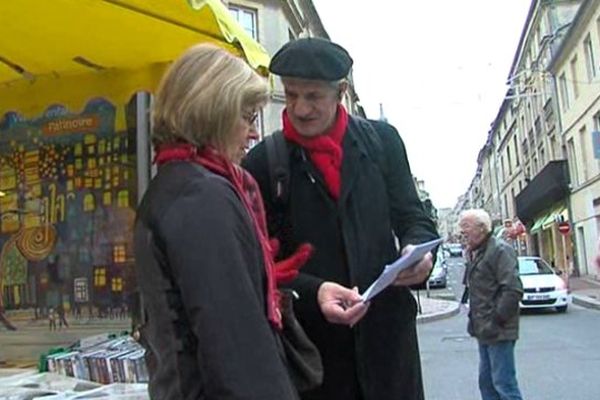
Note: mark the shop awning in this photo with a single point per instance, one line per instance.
(68, 51)
(547, 220)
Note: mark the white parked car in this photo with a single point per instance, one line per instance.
(543, 287)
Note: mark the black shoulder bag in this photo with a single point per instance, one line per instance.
(303, 359)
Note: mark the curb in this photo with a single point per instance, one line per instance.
(585, 301)
(451, 311)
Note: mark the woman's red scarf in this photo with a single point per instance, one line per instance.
(325, 150)
(248, 191)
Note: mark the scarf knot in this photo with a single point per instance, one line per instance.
(325, 150)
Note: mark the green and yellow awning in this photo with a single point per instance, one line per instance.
(548, 219)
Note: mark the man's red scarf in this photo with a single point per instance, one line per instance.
(249, 193)
(325, 150)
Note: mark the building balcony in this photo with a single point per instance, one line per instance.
(549, 186)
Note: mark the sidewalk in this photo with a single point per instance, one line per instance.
(585, 291)
(434, 309)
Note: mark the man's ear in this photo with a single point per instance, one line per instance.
(342, 90)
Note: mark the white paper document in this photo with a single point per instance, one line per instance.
(389, 273)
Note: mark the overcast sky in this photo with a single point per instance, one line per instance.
(439, 67)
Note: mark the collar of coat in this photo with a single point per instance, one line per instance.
(353, 151)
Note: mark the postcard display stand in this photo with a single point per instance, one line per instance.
(99, 367)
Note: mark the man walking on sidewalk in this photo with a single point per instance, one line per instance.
(494, 289)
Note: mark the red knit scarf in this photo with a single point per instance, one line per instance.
(249, 193)
(325, 150)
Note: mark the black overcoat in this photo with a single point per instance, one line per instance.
(201, 273)
(354, 238)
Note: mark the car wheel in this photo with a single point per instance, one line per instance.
(561, 309)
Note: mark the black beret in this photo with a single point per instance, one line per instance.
(311, 58)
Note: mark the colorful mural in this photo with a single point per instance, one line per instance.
(67, 197)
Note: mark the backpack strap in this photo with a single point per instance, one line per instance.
(279, 167)
(372, 141)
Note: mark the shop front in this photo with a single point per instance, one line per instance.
(543, 207)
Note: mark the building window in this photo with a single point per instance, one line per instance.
(80, 290)
(100, 276)
(553, 148)
(516, 147)
(596, 141)
(584, 155)
(574, 77)
(590, 62)
(513, 203)
(107, 198)
(123, 198)
(509, 160)
(117, 284)
(247, 18)
(564, 91)
(89, 203)
(119, 253)
(572, 162)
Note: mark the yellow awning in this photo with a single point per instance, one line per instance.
(69, 51)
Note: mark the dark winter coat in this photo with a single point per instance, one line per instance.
(495, 290)
(354, 239)
(201, 274)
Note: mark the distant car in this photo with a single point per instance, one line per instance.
(455, 250)
(439, 275)
(542, 286)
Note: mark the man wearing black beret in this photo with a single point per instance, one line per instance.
(350, 193)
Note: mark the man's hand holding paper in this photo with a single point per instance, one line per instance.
(411, 268)
(417, 273)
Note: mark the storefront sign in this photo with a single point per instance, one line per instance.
(71, 125)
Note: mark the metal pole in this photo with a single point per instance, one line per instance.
(142, 143)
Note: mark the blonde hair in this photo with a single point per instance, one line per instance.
(201, 97)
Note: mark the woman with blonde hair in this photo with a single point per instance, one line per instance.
(204, 265)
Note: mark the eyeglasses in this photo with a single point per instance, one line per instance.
(250, 117)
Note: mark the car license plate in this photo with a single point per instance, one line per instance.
(539, 297)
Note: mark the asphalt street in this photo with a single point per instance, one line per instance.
(557, 355)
